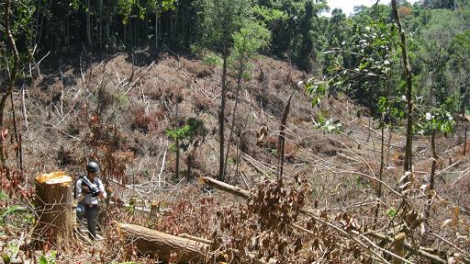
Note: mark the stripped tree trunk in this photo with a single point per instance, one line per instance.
(282, 139)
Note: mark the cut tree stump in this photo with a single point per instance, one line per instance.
(166, 247)
(399, 247)
(54, 208)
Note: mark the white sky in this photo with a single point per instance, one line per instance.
(348, 5)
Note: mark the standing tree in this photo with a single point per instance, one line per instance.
(188, 138)
(304, 54)
(409, 90)
(13, 73)
(437, 120)
(220, 19)
(247, 42)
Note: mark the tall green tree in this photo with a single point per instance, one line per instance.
(304, 54)
(246, 43)
(220, 20)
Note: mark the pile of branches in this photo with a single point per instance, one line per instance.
(279, 222)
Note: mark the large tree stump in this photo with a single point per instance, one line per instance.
(166, 247)
(54, 209)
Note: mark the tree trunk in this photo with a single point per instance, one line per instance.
(409, 90)
(190, 164)
(19, 149)
(101, 25)
(156, 30)
(433, 172)
(465, 141)
(282, 140)
(54, 207)
(166, 247)
(434, 159)
(389, 144)
(222, 114)
(177, 141)
(13, 73)
(234, 112)
(88, 23)
(381, 172)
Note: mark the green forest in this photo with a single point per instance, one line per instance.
(234, 131)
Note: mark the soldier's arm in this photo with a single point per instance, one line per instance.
(80, 195)
(103, 193)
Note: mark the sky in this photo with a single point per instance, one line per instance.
(348, 5)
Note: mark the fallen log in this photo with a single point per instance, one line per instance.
(197, 239)
(169, 248)
(165, 247)
(237, 191)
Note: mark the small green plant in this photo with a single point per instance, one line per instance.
(273, 151)
(360, 182)
(10, 210)
(123, 99)
(188, 138)
(3, 196)
(191, 131)
(392, 212)
(49, 258)
(246, 76)
(131, 207)
(146, 173)
(10, 252)
(328, 125)
(316, 90)
(438, 120)
(212, 60)
(392, 108)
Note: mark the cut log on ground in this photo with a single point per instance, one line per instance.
(226, 187)
(169, 248)
(165, 247)
(54, 203)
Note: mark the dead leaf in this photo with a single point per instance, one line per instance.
(456, 211)
(451, 222)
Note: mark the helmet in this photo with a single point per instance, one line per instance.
(93, 167)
